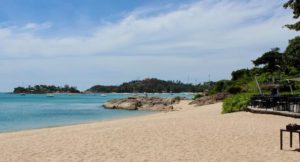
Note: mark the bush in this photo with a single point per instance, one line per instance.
(238, 102)
(199, 95)
(234, 90)
(177, 99)
(241, 74)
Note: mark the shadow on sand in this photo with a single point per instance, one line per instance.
(297, 150)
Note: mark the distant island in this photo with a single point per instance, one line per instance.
(149, 85)
(42, 89)
(152, 85)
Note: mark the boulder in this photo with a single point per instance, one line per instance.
(112, 104)
(164, 108)
(146, 106)
(128, 105)
(142, 103)
(206, 100)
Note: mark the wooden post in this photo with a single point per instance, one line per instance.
(291, 139)
(257, 84)
(290, 86)
(281, 139)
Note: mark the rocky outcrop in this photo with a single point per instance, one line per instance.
(206, 100)
(143, 103)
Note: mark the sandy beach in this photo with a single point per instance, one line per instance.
(189, 134)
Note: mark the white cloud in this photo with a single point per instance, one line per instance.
(198, 28)
(206, 37)
(35, 26)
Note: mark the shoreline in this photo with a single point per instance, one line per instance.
(177, 108)
(100, 121)
(84, 123)
(108, 93)
(190, 134)
(73, 111)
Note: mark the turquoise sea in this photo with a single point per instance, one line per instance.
(33, 111)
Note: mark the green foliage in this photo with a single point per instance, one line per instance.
(220, 86)
(297, 92)
(234, 89)
(272, 60)
(177, 98)
(152, 85)
(295, 6)
(206, 86)
(198, 95)
(231, 86)
(41, 89)
(292, 71)
(292, 53)
(241, 74)
(272, 69)
(238, 102)
(103, 89)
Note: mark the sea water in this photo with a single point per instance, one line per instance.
(31, 111)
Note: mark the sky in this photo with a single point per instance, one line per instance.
(89, 42)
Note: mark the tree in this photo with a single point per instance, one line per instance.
(272, 60)
(292, 53)
(240, 74)
(295, 6)
(41, 89)
(221, 86)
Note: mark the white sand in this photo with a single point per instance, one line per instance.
(191, 134)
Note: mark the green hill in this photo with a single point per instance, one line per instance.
(42, 89)
(151, 85)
